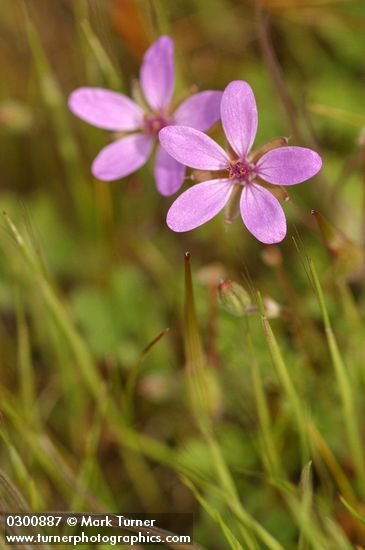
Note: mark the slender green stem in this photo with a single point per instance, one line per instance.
(344, 386)
(26, 373)
(112, 76)
(270, 456)
(94, 382)
(196, 364)
(286, 381)
(56, 105)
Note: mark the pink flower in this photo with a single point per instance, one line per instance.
(239, 170)
(116, 112)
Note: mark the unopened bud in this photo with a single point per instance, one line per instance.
(233, 298)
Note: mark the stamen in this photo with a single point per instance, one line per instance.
(241, 171)
(154, 123)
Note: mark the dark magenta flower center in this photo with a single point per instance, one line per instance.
(154, 123)
(241, 170)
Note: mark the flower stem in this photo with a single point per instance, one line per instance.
(344, 386)
(284, 377)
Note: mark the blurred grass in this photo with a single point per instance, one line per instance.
(90, 276)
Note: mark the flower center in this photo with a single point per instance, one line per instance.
(154, 123)
(241, 170)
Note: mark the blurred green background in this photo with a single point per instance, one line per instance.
(108, 276)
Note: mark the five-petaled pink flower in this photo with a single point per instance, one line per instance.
(240, 169)
(116, 112)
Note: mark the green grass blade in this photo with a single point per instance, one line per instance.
(344, 386)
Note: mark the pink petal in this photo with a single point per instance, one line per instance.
(289, 165)
(198, 204)
(239, 116)
(169, 173)
(193, 148)
(199, 111)
(262, 214)
(157, 73)
(122, 157)
(106, 109)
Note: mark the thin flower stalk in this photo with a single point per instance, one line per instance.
(344, 385)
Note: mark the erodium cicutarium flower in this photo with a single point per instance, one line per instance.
(238, 175)
(116, 112)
